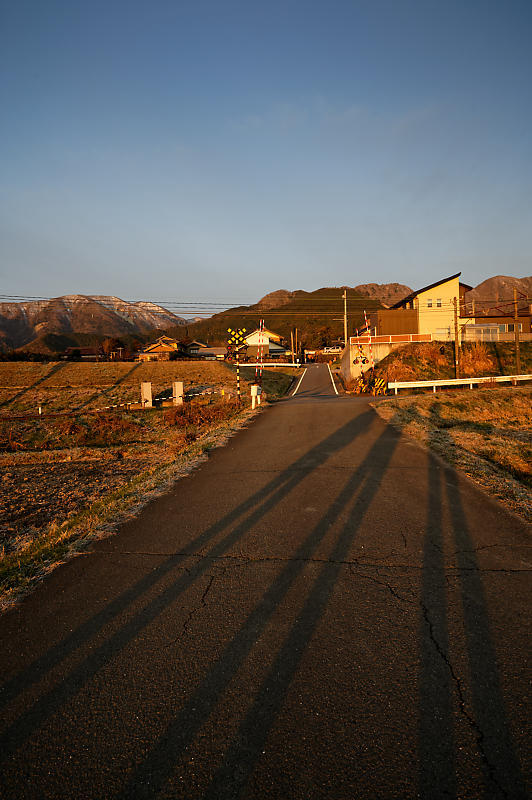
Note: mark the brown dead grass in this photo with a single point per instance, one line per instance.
(477, 361)
(68, 479)
(435, 360)
(486, 432)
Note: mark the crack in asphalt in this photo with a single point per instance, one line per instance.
(386, 585)
(473, 724)
(284, 559)
(194, 610)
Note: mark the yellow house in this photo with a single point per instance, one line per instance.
(427, 311)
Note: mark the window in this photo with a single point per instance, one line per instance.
(429, 303)
(438, 302)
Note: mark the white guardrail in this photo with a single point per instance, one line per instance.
(458, 382)
(268, 364)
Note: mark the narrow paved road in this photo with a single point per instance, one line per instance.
(322, 610)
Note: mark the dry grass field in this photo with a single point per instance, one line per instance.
(69, 386)
(487, 433)
(73, 474)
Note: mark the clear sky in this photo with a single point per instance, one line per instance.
(194, 149)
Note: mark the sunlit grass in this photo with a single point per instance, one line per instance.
(488, 432)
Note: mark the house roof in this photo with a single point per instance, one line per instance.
(265, 331)
(191, 342)
(424, 289)
(162, 341)
(84, 351)
(167, 339)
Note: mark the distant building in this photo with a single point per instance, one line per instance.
(495, 320)
(161, 350)
(166, 349)
(428, 311)
(272, 346)
(82, 353)
(191, 347)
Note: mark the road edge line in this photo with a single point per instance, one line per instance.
(332, 379)
(299, 382)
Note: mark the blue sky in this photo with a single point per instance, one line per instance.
(221, 150)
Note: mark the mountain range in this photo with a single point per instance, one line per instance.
(317, 316)
(50, 326)
(79, 319)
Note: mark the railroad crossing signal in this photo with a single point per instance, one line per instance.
(236, 337)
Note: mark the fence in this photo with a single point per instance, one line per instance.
(396, 385)
(169, 397)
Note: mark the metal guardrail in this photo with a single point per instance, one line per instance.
(458, 382)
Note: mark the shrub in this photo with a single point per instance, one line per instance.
(476, 359)
(200, 413)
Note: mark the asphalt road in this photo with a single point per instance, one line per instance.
(322, 610)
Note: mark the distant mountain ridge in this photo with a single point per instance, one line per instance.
(99, 315)
(500, 287)
(386, 293)
(317, 315)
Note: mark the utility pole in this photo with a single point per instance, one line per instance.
(456, 341)
(292, 343)
(297, 349)
(516, 332)
(345, 316)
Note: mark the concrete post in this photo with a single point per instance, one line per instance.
(177, 393)
(256, 392)
(145, 394)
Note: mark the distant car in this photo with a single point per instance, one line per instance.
(332, 350)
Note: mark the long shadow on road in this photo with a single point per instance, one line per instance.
(240, 760)
(438, 681)
(252, 509)
(437, 772)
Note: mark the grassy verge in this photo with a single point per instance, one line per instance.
(33, 553)
(67, 480)
(275, 382)
(487, 433)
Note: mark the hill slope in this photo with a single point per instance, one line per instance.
(500, 287)
(318, 316)
(386, 293)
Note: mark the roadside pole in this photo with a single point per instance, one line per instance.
(516, 332)
(367, 324)
(345, 317)
(456, 340)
